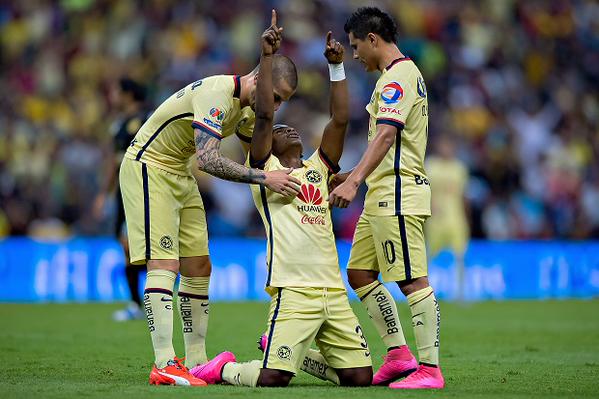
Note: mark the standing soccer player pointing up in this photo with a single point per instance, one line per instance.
(165, 215)
(389, 237)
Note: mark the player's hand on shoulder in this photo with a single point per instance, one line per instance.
(281, 181)
(333, 50)
(271, 38)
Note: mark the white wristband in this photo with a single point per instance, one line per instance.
(336, 72)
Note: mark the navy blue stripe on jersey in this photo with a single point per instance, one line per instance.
(395, 61)
(194, 296)
(158, 291)
(272, 328)
(160, 129)
(391, 122)
(243, 138)
(206, 129)
(270, 232)
(237, 91)
(258, 164)
(144, 177)
(332, 166)
(404, 247)
(396, 167)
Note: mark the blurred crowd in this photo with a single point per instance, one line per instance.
(514, 83)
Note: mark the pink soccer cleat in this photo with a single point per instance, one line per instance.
(397, 364)
(262, 342)
(211, 372)
(426, 377)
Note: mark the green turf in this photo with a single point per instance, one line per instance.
(499, 350)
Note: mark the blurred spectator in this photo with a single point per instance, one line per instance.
(516, 81)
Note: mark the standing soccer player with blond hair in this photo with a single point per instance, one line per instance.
(165, 215)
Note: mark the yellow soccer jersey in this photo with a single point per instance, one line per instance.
(301, 249)
(448, 183)
(166, 139)
(399, 184)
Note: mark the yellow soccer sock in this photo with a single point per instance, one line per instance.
(426, 321)
(158, 303)
(382, 309)
(245, 374)
(315, 364)
(194, 309)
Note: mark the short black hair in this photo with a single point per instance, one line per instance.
(129, 85)
(283, 68)
(367, 20)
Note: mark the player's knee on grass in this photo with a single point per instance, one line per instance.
(274, 378)
(355, 377)
(408, 287)
(361, 278)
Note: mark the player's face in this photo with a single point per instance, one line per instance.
(283, 138)
(363, 51)
(282, 92)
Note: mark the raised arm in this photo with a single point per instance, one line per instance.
(334, 132)
(211, 161)
(261, 145)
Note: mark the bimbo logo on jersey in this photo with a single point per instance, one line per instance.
(392, 93)
(312, 197)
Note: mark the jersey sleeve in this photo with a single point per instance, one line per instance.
(323, 163)
(210, 107)
(245, 129)
(395, 100)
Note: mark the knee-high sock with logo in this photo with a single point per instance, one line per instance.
(315, 364)
(245, 374)
(426, 320)
(382, 309)
(158, 303)
(194, 309)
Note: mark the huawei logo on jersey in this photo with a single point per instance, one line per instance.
(310, 194)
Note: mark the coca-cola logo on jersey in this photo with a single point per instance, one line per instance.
(312, 197)
(318, 219)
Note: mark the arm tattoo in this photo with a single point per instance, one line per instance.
(211, 161)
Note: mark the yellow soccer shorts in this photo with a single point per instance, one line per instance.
(443, 234)
(391, 245)
(164, 213)
(299, 316)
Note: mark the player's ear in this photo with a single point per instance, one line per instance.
(373, 39)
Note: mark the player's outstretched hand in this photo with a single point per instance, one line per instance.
(282, 182)
(343, 194)
(333, 50)
(271, 38)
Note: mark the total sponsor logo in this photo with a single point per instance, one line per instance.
(312, 197)
(392, 93)
(390, 110)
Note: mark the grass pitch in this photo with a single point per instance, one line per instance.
(488, 350)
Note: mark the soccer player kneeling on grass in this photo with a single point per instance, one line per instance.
(309, 301)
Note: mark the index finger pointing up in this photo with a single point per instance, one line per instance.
(273, 18)
(329, 35)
